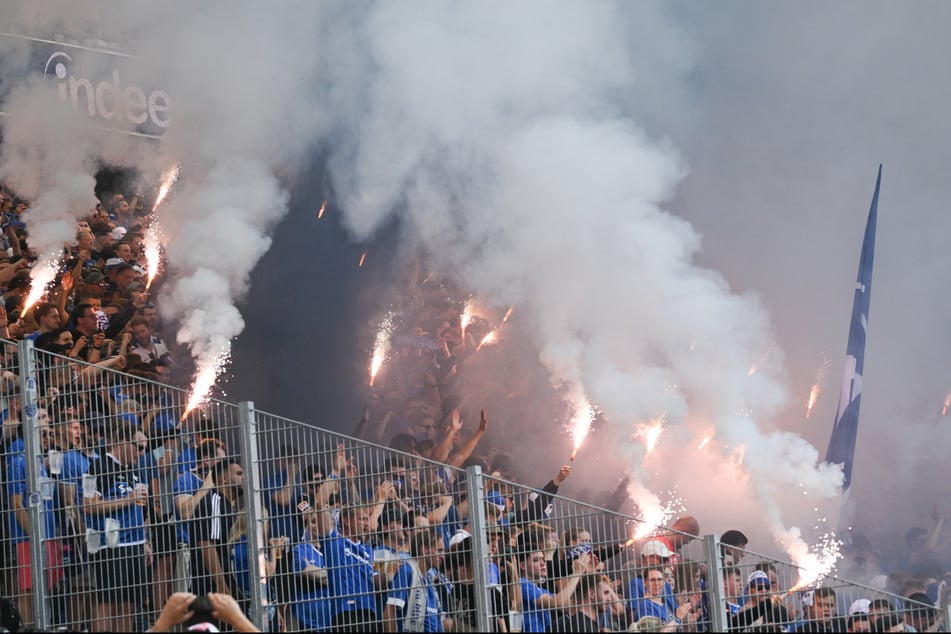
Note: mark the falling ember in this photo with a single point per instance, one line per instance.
(363, 257)
(204, 380)
(381, 347)
(151, 243)
(581, 424)
(755, 366)
(693, 344)
(508, 314)
(323, 208)
(817, 387)
(42, 275)
(947, 404)
(169, 177)
(706, 440)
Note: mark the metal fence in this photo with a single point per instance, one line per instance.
(115, 502)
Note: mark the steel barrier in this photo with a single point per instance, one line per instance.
(125, 502)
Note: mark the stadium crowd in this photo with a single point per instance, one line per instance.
(144, 512)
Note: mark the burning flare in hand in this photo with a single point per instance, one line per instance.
(41, 277)
(205, 378)
(169, 178)
(581, 423)
(381, 348)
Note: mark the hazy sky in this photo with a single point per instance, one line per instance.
(635, 178)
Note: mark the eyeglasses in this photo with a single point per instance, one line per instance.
(141, 448)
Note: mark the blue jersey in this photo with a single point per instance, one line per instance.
(645, 607)
(312, 604)
(285, 519)
(637, 592)
(16, 487)
(350, 573)
(535, 618)
(75, 466)
(399, 597)
(116, 482)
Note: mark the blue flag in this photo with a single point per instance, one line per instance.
(842, 444)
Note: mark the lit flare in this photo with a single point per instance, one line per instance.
(581, 424)
(817, 387)
(381, 348)
(205, 378)
(41, 276)
(466, 318)
(492, 336)
(151, 244)
(169, 178)
(813, 566)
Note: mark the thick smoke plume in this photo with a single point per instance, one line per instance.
(504, 136)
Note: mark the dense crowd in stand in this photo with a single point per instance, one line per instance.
(147, 514)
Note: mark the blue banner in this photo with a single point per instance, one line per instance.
(842, 444)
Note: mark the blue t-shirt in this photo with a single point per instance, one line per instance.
(116, 482)
(312, 603)
(349, 572)
(399, 597)
(535, 619)
(637, 592)
(185, 484)
(16, 486)
(75, 466)
(645, 607)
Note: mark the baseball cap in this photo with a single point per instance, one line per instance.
(93, 276)
(657, 548)
(759, 578)
(859, 606)
(118, 233)
(496, 499)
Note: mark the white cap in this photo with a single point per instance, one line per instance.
(657, 548)
(860, 606)
(758, 576)
(118, 233)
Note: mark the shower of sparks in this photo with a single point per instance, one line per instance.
(381, 348)
(581, 424)
(651, 433)
(169, 178)
(41, 277)
(205, 378)
(466, 318)
(151, 243)
(813, 566)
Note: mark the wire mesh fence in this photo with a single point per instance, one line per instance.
(115, 500)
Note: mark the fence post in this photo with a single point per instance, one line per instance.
(480, 548)
(37, 509)
(715, 599)
(252, 508)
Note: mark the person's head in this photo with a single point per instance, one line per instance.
(458, 561)
(859, 616)
(208, 453)
(757, 586)
(123, 275)
(150, 313)
(655, 553)
(85, 318)
(654, 581)
(46, 315)
(127, 442)
(123, 250)
(391, 528)
(732, 583)
(85, 240)
(773, 574)
(532, 564)
(732, 545)
(229, 475)
(576, 535)
(891, 622)
(354, 521)
(686, 529)
(823, 605)
(920, 611)
(427, 549)
(141, 331)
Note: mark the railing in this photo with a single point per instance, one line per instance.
(313, 530)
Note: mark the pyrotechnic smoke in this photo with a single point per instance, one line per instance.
(514, 161)
(540, 192)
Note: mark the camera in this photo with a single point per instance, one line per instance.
(201, 612)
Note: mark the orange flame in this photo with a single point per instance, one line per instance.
(42, 275)
(363, 257)
(466, 317)
(323, 208)
(508, 314)
(651, 433)
(381, 347)
(817, 387)
(169, 177)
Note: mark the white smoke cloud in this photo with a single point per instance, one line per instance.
(504, 134)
